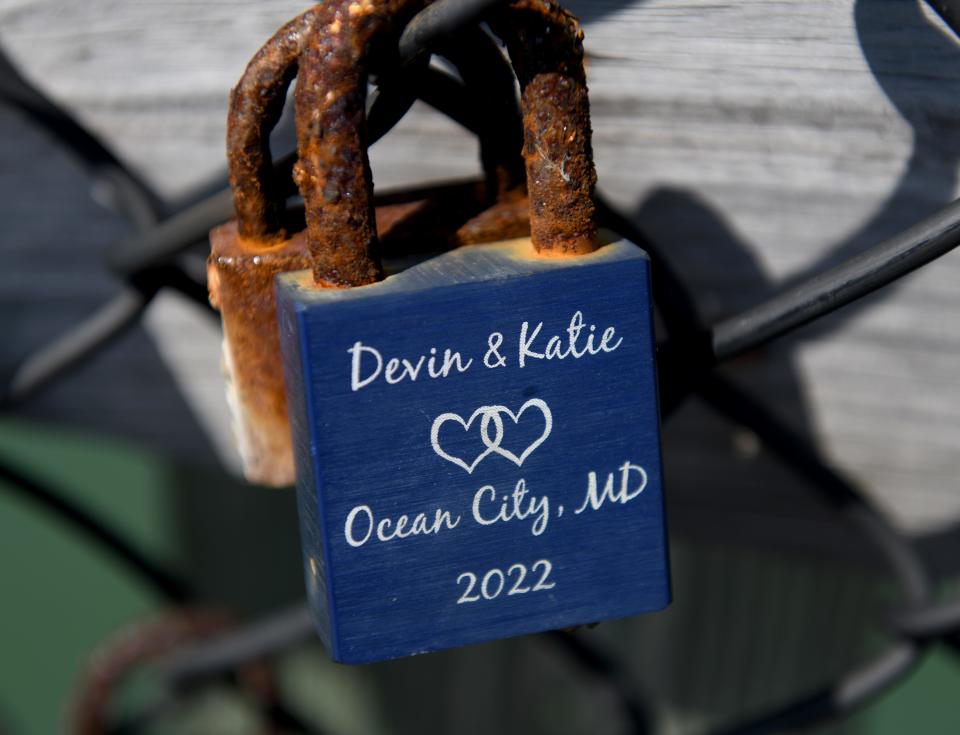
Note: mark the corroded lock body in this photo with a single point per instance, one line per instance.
(476, 437)
(248, 253)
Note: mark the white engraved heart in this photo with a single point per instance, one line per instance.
(491, 414)
(444, 417)
(495, 444)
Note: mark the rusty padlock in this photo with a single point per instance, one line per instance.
(476, 436)
(248, 253)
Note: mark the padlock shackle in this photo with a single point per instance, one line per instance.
(257, 101)
(327, 49)
(256, 104)
(333, 172)
(545, 43)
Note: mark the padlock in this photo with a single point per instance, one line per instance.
(248, 253)
(476, 436)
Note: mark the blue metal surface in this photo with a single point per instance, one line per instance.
(477, 447)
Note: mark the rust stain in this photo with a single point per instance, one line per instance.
(333, 171)
(508, 218)
(545, 43)
(256, 104)
(143, 643)
(240, 277)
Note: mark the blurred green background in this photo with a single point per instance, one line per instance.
(61, 595)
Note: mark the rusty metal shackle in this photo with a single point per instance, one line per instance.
(333, 170)
(328, 49)
(545, 43)
(256, 104)
(333, 173)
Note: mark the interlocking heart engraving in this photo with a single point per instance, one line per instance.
(491, 415)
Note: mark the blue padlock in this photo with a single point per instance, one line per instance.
(476, 436)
